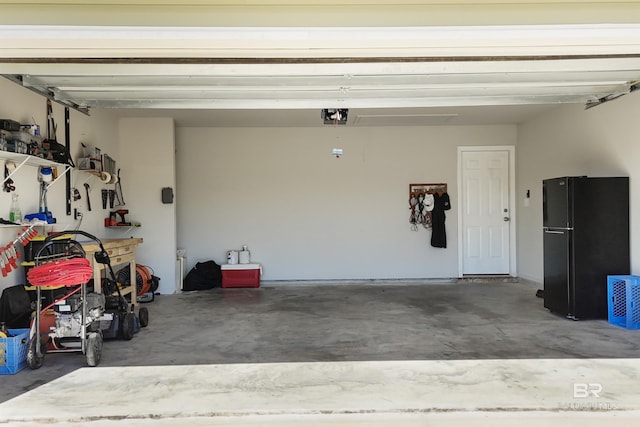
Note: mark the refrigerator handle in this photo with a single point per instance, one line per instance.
(553, 231)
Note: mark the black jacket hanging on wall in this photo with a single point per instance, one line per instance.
(438, 233)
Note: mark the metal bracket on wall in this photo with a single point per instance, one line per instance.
(67, 145)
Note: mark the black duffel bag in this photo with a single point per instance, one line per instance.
(204, 275)
(15, 307)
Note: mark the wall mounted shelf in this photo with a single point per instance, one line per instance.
(27, 160)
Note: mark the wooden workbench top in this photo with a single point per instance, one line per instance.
(92, 246)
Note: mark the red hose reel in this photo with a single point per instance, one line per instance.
(63, 272)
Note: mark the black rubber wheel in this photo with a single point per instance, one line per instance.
(123, 305)
(94, 348)
(128, 326)
(34, 361)
(143, 316)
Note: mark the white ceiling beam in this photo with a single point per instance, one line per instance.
(275, 103)
(28, 41)
(168, 82)
(170, 91)
(341, 92)
(322, 69)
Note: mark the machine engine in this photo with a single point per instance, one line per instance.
(68, 321)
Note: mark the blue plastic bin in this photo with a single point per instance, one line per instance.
(13, 351)
(623, 294)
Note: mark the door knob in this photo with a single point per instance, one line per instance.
(506, 218)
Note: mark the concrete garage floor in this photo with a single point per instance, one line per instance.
(421, 327)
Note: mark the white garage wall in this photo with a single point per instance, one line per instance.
(147, 151)
(570, 140)
(99, 130)
(306, 215)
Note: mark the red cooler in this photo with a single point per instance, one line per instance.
(241, 275)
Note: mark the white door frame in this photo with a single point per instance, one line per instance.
(513, 271)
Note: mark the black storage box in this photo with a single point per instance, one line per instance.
(10, 125)
(32, 248)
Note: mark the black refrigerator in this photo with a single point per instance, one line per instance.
(586, 238)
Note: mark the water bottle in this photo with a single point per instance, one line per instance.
(15, 214)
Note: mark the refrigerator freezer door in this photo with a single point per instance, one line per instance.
(556, 206)
(600, 241)
(558, 295)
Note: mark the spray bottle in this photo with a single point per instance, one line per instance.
(15, 214)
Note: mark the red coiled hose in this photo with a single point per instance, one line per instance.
(64, 272)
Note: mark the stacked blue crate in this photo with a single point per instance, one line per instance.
(13, 351)
(623, 294)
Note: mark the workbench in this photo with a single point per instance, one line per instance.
(121, 251)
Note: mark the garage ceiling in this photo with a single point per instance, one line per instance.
(399, 75)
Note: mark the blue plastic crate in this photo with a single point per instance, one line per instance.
(13, 351)
(623, 294)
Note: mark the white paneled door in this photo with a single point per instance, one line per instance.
(486, 211)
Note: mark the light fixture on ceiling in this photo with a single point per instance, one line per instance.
(334, 116)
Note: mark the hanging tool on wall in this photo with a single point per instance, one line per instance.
(105, 196)
(9, 168)
(112, 222)
(9, 255)
(87, 187)
(51, 125)
(45, 176)
(119, 196)
(76, 194)
(123, 221)
(28, 233)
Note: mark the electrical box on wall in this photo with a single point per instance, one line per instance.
(167, 195)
